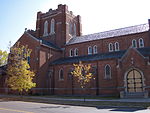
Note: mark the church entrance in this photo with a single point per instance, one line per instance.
(134, 81)
(134, 85)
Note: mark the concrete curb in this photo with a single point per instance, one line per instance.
(89, 100)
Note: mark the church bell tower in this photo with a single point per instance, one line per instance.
(58, 26)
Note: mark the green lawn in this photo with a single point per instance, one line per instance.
(82, 103)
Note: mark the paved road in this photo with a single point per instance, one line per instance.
(30, 107)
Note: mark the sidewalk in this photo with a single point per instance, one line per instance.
(147, 100)
(108, 100)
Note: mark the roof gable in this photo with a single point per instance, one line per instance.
(131, 51)
(44, 42)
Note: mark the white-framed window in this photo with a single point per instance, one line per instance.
(134, 43)
(71, 53)
(116, 46)
(95, 49)
(52, 30)
(45, 28)
(74, 28)
(61, 74)
(141, 43)
(110, 47)
(89, 50)
(76, 52)
(107, 71)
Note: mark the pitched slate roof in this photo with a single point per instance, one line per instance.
(47, 43)
(144, 51)
(101, 56)
(111, 33)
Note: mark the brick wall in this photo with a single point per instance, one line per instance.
(62, 18)
(102, 45)
(47, 76)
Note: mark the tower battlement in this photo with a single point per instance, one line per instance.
(58, 25)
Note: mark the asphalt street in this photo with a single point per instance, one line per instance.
(31, 107)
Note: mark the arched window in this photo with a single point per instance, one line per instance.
(116, 46)
(61, 74)
(74, 28)
(45, 28)
(134, 43)
(76, 52)
(70, 28)
(107, 72)
(95, 49)
(141, 43)
(71, 53)
(110, 47)
(89, 50)
(52, 26)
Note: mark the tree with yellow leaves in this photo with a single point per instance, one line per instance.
(82, 72)
(3, 57)
(20, 77)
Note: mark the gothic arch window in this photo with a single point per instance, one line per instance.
(141, 43)
(71, 53)
(110, 47)
(74, 28)
(61, 74)
(134, 43)
(45, 28)
(70, 28)
(116, 46)
(76, 52)
(95, 49)
(52, 26)
(89, 50)
(107, 72)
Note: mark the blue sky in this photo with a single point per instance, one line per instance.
(96, 15)
(15, 16)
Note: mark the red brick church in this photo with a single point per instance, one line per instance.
(120, 58)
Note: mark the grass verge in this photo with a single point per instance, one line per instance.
(78, 103)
